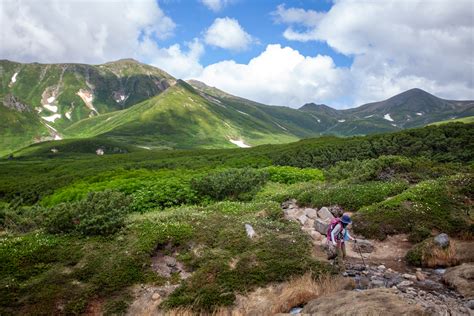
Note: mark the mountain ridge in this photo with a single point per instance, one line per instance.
(55, 101)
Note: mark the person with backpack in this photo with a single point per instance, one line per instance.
(337, 235)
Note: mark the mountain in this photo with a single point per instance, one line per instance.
(412, 108)
(40, 100)
(136, 104)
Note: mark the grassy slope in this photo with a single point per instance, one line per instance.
(41, 271)
(180, 118)
(135, 80)
(466, 120)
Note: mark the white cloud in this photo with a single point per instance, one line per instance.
(307, 18)
(79, 31)
(396, 45)
(178, 62)
(215, 5)
(228, 34)
(281, 76)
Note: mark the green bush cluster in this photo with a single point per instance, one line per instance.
(234, 184)
(164, 193)
(385, 168)
(290, 175)
(351, 197)
(432, 204)
(101, 213)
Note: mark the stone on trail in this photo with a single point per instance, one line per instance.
(250, 231)
(302, 219)
(442, 240)
(420, 276)
(358, 303)
(461, 279)
(365, 246)
(324, 214)
(321, 226)
(311, 213)
(409, 276)
(155, 296)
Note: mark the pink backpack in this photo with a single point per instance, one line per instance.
(333, 224)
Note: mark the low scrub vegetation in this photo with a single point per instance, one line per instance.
(79, 228)
(433, 204)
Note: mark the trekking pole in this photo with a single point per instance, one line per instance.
(360, 252)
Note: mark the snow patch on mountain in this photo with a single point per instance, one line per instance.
(419, 113)
(87, 97)
(51, 118)
(243, 113)
(341, 121)
(52, 108)
(13, 80)
(280, 126)
(388, 117)
(239, 142)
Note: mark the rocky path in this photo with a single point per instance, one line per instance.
(385, 266)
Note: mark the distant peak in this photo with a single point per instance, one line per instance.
(124, 61)
(315, 106)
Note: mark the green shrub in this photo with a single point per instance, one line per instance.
(234, 184)
(433, 204)
(164, 193)
(101, 213)
(290, 175)
(21, 219)
(351, 197)
(418, 234)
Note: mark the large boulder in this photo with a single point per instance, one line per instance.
(325, 214)
(442, 240)
(461, 278)
(321, 226)
(311, 213)
(378, 301)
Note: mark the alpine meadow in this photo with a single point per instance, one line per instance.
(180, 158)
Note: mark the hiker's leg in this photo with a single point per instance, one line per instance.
(344, 254)
(339, 258)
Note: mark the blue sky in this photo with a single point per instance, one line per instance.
(255, 17)
(341, 53)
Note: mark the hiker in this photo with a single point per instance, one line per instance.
(337, 235)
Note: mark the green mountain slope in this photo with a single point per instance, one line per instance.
(49, 97)
(181, 118)
(140, 105)
(412, 108)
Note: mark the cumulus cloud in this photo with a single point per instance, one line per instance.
(395, 44)
(79, 31)
(179, 62)
(228, 34)
(281, 76)
(215, 5)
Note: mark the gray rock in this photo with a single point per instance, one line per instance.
(404, 284)
(311, 213)
(321, 226)
(325, 215)
(336, 210)
(442, 240)
(409, 276)
(288, 204)
(302, 219)
(250, 231)
(381, 267)
(365, 246)
(377, 283)
(170, 261)
(470, 304)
